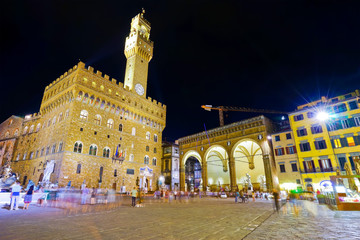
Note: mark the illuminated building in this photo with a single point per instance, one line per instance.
(327, 136)
(231, 155)
(287, 162)
(170, 165)
(95, 129)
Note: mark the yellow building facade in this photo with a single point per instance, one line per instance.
(95, 129)
(327, 136)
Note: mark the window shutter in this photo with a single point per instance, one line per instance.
(338, 125)
(316, 145)
(320, 164)
(294, 147)
(332, 143)
(287, 150)
(298, 133)
(282, 151)
(330, 163)
(357, 140)
(352, 122)
(313, 165)
(344, 142)
(305, 132)
(301, 147)
(312, 130)
(276, 152)
(305, 168)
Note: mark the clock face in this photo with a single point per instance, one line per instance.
(139, 89)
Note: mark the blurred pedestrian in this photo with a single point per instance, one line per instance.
(276, 200)
(93, 196)
(28, 197)
(84, 194)
(237, 195)
(253, 196)
(14, 196)
(133, 197)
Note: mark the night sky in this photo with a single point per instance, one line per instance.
(259, 54)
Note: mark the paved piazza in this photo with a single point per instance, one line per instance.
(208, 218)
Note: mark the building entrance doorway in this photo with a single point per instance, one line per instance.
(192, 174)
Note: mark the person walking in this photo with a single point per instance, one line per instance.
(276, 200)
(84, 194)
(133, 197)
(93, 196)
(28, 197)
(237, 195)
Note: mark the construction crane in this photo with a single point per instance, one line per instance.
(223, 109)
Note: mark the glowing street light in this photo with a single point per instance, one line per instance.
(322, 116)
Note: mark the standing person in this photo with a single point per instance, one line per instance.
(28, 197)
(133, 197)
(14, 196)
(276, 200)
(253, 196)
(237, 195)
(84, 194)
(242, 196)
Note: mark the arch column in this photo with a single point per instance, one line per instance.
(233, 185)
(182, 177)
(204, 174)
(268, 172)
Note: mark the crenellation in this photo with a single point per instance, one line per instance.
(106, 77)
(99, 73)
(90, 69)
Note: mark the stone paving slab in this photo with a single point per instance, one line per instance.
(207, 218)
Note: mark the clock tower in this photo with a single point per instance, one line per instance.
(138, 51)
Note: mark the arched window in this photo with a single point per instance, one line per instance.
(110, 123)
(80, 95)
(37, 154)
(133, 131)
(148, 135)
(92, 100)
(154, 150)
(24, 156)
(97, 102)
(47, 151)
(97, 119)
(78, 168)
(54, 120)
(154, 161)
(102, 106)
(86, 98)
(106, 152)
(60, 117)
(120, 127)
(113, 108)
(146, 160)
(16, 133)
(31, 155)
(101, 174)
(84, 115)
(31, 129)
(78, 147)
(49, 122)
(18, 157)
(25, 130)
(60, 147)
(38, 127)
(67, 113)
(7, 134)
(147, 148)
(155, 138)
(53, 149)
(42, 152)
(131, 157)
(93, 149)
(115, 173)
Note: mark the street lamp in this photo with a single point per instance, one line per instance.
(322, 116)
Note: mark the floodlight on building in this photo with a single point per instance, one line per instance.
(322, 116)
(269, 137)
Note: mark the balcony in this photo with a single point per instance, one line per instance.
(318, 170)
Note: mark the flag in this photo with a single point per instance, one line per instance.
(117, 151)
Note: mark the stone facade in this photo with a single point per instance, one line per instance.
(228, 153)
(94, 129)
(170, 165)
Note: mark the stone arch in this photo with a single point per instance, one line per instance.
(217, 167)
(191, 153)
(247, 155)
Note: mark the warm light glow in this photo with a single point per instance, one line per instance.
(161, 179)
(288, 186)
(322, 116)
(269, 137)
